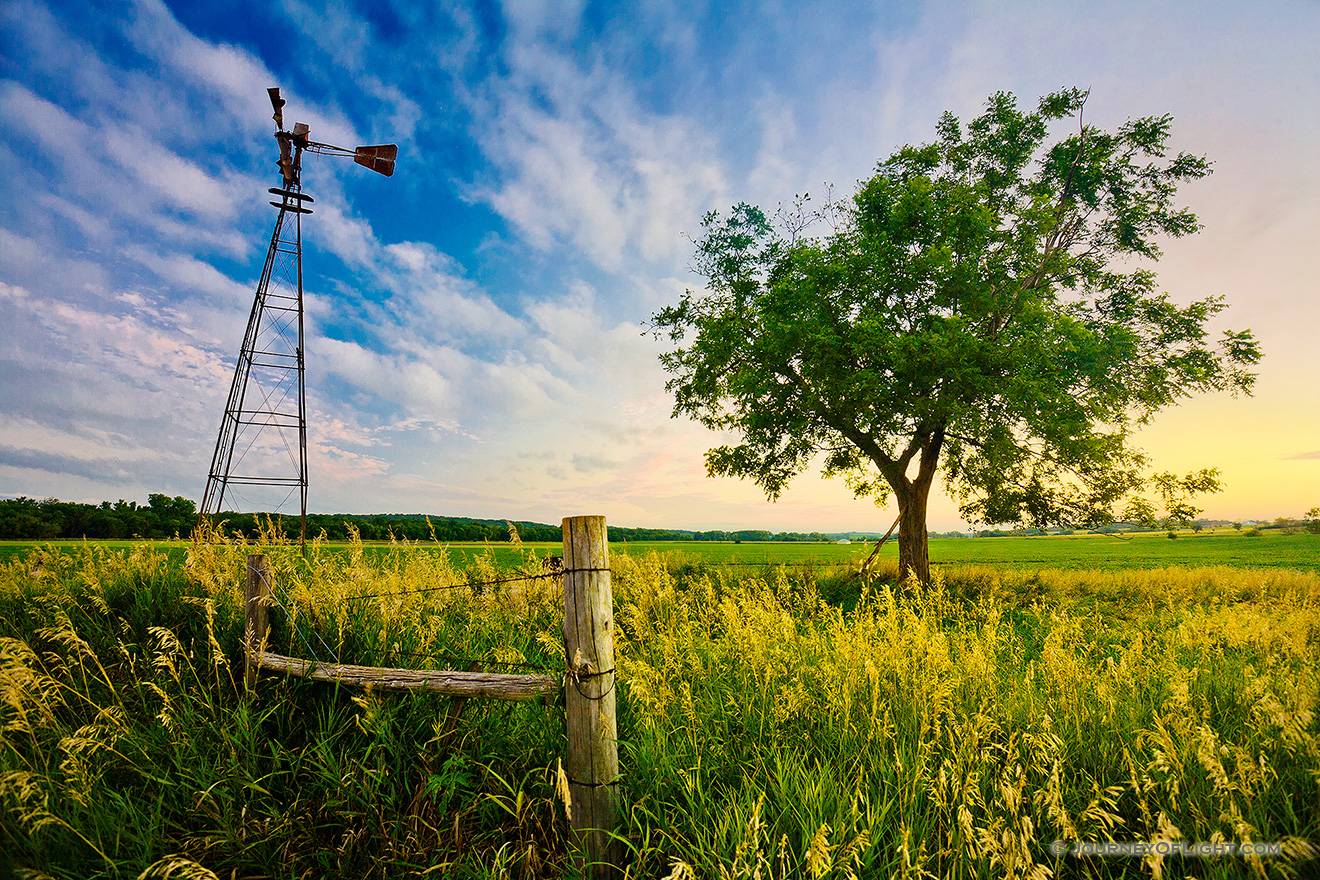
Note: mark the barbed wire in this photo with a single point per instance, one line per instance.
(271, 586)
(767, 563)
(509, 664)
(561, 573)
(528, 577)
(787, 562)
(577, 677)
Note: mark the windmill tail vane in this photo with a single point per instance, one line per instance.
(262, 443)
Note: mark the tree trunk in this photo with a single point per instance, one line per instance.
(913, 550)
(912, 495)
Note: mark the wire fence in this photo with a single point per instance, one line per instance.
(272, 586)
(768, 563)
(276, 590)
(465, 661)
(288, 606)
(400, 593)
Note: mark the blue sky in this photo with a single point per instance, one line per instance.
(475, 323)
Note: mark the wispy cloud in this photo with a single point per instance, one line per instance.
(581, 162)
(102, 470)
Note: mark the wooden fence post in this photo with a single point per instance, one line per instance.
(259, 576)
(592, 764)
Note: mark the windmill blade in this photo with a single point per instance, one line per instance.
(278, 103)
(379, 158)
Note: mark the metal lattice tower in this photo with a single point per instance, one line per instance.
(263, 435)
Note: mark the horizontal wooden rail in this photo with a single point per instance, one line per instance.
(493, 685)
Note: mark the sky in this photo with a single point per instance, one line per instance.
(476, 324)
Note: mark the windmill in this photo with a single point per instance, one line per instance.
(263, 435)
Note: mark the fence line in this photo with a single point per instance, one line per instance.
(433, 655)
(528, 577)
(293, 621)
(591, 759)
(273, 585)
(270, 585)
(492, 685)
(766, 564)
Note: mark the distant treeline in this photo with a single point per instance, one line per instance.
(164, 517)
(27, 519)
(419, 527)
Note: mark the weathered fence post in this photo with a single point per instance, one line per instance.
(592, 764)
(258, 619)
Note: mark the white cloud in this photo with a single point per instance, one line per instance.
(10, 291)
(228, 73)
(350, 41)
(185, 273)
(582, 162)
(87, 444)
(432, 283)
(535, 20)
(135, 344)
(183, 185)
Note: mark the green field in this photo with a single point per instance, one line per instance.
(1145, 550)
(1142, 550)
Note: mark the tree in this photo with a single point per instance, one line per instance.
(1311, 519)
(1174, 498)
(974, 310)
(175, 516)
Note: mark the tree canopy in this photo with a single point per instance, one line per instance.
(984, 305)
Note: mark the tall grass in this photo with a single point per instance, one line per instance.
(772, 734)
(776, 722)
(130, 747)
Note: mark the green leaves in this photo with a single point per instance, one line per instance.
(975, 305)
(1174, 495)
